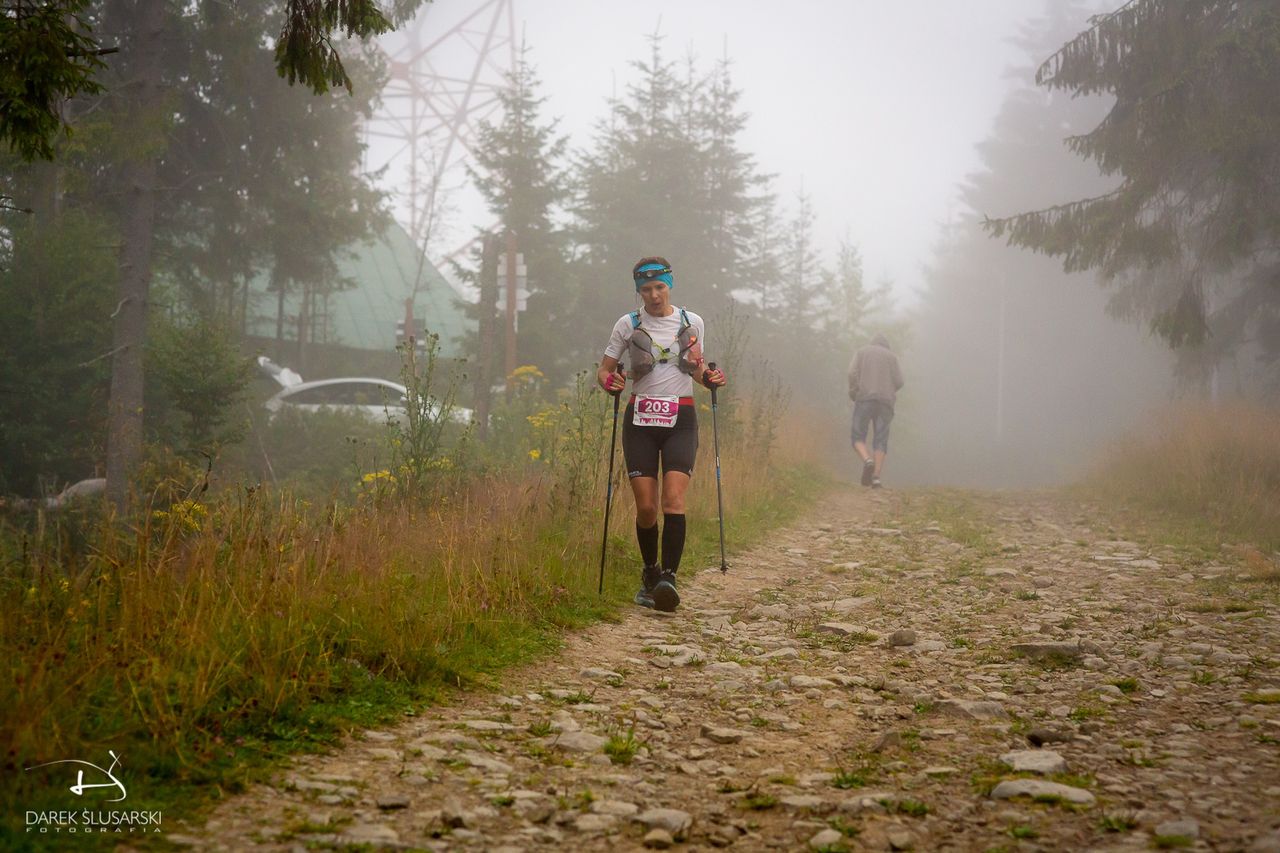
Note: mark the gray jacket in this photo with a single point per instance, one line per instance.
(874, 373)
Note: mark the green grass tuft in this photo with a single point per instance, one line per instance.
(621, 747)
(1117, 823)
(758, 802)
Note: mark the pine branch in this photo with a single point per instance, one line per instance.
(1101, 43)
(8, 203)
(1000, 225)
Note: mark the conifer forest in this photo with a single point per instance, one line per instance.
(323, 525)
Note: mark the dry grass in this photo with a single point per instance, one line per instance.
(195, 624)
(1208, 470)
(255, 623)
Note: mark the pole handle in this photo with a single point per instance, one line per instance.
(622, 370)
(711, 365)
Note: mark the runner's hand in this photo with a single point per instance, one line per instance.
(615, 382)
(715, 377)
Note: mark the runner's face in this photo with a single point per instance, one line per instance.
(657, 298)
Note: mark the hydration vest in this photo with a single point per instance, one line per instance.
(642, 347)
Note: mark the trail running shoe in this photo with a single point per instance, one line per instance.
(665, 597)
(875, 483)
(868, 471)
(648, 580)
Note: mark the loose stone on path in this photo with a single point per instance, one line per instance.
(1041, 791)
(1042, 761)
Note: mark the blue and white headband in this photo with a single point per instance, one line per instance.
(649, 272)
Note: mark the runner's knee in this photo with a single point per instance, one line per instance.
(646, 509)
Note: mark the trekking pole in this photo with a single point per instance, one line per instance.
(715, 432)
(608, 495)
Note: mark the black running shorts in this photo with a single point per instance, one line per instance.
(676, 446)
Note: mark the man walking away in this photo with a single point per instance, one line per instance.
(874, 380)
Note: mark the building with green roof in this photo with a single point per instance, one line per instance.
(364, 316)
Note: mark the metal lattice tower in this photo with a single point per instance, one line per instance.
(442, 84)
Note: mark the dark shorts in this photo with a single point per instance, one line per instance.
(674, 448)
(874, 414)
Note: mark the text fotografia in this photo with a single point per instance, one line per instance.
(91, 821)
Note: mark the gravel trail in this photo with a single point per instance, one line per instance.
(895, 671)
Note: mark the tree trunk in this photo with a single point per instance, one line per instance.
(279, 283)
(487, 324)
(138, 181)
(45, 202)
(304, 317)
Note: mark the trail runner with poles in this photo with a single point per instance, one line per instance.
(660, 426)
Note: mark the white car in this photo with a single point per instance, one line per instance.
(379, 400)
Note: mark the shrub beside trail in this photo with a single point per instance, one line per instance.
(1201, 471)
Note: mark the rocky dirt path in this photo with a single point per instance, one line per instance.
(877, 677)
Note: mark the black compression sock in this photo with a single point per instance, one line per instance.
(648, 539)
(672, 540)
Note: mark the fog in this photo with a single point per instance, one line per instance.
(904, 124)
(1021, 376)
(816, 172)
(874, 109)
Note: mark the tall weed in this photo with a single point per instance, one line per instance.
(421, 465)
(222, 627)
(1204, 470)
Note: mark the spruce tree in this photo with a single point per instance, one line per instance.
(762, 262)
(522, 180)
(802, 294)
(855, 305)
(640, 190)
(1188, 238)
(734, 190)
(667, 175)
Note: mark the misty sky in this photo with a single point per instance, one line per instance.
(875, 106)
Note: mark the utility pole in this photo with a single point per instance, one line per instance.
(1004, 282)
(510, 363)
(488, 320)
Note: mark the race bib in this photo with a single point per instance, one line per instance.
(656, 411)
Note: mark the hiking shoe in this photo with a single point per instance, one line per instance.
(868, 471)
(648, 580)
(875, 483)
(665, 597)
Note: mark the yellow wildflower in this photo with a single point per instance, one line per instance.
(526, 375)
(190, 514)
(535, 454)
(544, 418)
